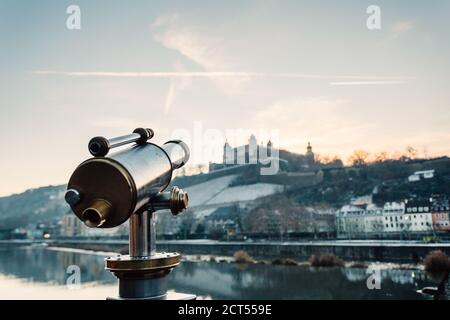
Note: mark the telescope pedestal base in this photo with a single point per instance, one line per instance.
(145, 278)
(172, 295)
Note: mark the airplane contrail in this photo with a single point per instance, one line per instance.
(359, 83)
(219, 74)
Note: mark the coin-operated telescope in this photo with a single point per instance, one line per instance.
(107, 190)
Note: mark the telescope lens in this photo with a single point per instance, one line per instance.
(178, 152)
(95, 215)
(92, 218)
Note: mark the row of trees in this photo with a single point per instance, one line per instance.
(362, 157)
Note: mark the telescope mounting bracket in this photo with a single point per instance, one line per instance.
(142, 273)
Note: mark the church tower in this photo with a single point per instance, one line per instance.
(309, 155)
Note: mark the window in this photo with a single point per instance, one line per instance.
(414, 209)
(426, 209)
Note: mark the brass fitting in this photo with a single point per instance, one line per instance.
(178, 200)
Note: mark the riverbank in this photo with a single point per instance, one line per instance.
(380, 251)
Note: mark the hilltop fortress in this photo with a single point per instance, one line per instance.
(254, 153)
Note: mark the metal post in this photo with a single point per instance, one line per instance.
(142, 234)
(143, 273)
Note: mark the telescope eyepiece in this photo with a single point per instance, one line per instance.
(99, 146)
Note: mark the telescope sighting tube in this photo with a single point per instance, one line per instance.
(105, 191)
(100, 146)
(178, 151)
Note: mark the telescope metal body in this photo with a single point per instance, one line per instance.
(105, 191)
(111, 188)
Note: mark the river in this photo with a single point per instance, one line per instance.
(42, 273)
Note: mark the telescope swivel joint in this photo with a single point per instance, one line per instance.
(176, 200)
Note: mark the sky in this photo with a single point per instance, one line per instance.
(206, 71)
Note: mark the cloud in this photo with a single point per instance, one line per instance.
(203, 47)
(337, 127)
(402, 27)
(322, 120)
(302, 112)
(193, 43)
(207, 48)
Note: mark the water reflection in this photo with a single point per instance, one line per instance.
(228, 281)
(223, 280)
(44, 265)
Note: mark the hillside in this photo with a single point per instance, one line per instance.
(41, 205)
(387, 181)
(221, 191)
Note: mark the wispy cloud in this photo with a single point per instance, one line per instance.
(402, 27)
(201, 46)
(399, 29)
(323, 122)
(177, 85)
(194, 43)
(207, 49)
